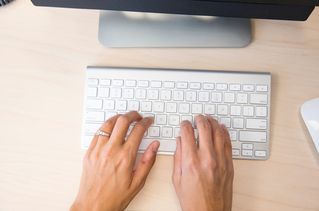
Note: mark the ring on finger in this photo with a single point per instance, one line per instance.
(102, 133)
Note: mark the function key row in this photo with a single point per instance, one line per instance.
(178, 85)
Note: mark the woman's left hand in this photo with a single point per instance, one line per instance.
(109, 180)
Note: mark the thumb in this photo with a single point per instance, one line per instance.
(145, 165)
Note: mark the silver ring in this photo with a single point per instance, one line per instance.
(102, 133)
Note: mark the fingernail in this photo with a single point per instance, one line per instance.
(185, 122)
(155, 147)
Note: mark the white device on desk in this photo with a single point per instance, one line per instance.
(310, 114)
(240, 100)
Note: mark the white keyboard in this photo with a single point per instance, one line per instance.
(237, 99)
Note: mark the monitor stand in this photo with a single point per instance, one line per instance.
(140, 30)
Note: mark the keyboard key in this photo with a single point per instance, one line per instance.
(103, 92)
(178, 95)
(146, 106)
(109, 114)
(216, 97)
(152, 94)
(208, 86)
(258, 99)
(181, 85)
(154, 131)
(177, 132)
(94, 104)
(221, 87)
(222, 109)
(169, 84)
(158, 106)
(109, 104)
(238, 123)
(248, 111)
(260, 124)
(262, 88)
(128, 93)
(247, 146)
(234, 87)
(203, 96)
(143, 83)
(191, 96)
(91, 92)
(197, 108)
(140, 94)
(171, 107)
(156, 84)
(236, 152)
(233, 135)
(120, 105)
(194, 85)
(261, 111)
(252, 136)
(248, 88)
(166, 95)
(184, 108)
(242, 98)
(173, 119)
(116, 92)
(229, 97)
(209, 109)
(260, 153)
(133, 105)
(235, 110)
(247, 153)
(225, 121)
(167, 132)
(187, 117)
(117, 82)
(105, 82)
(161, 119)
(90, 129)
(92, 82)
(130, 83)
(94, 116)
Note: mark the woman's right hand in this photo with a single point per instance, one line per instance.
(203, 173)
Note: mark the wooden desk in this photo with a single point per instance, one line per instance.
(44, 52)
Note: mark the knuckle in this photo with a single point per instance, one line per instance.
(186, 127)
(203, 122)
(123, 120)
(140, 126)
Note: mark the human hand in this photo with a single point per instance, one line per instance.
(109, 180)
(203, 173)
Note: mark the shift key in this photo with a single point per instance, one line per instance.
(253, 136)
(260, 124)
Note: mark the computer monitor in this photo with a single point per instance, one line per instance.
(184, 23)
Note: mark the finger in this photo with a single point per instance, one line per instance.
(228, 150)
(188, 141)
(205, 134)
(108, 128)
(134, 140)
(144, 166)
(229, 169)
(122, 125)
(218, 140)
(177, 172)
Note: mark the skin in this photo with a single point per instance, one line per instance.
(202, 176)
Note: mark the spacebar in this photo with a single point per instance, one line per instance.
(165, 145)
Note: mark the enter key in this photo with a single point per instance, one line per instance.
(260, 124)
